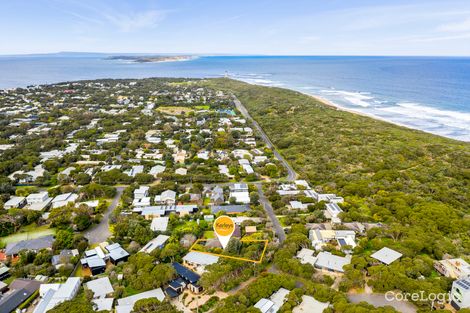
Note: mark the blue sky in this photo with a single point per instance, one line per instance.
(296, 27)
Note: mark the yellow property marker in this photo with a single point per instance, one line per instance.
(224, 228)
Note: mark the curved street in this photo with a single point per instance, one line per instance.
(272, 216)
(101, 232)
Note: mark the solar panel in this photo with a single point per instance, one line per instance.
(464, 284)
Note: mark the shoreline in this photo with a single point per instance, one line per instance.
(336, 106)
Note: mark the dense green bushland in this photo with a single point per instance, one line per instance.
(416, 184)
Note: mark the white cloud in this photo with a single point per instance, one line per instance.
(462, 26)
(135, 21)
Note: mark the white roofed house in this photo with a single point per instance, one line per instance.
(386, 255)
(29, 176)
(197, 261)
(141, 202)
(297, 205)
(136, 169)
(64, 199)
(126, 305)
(55, 294)
(460, 294)
(67, 171)
(157, 169)
(332, 212)
(38, 201)
(100, 287)
(306, 256)
(167, 197)
(331, 262)
(141, 192)
(156, 243)
(15, 202)
(274, 303)
(37, 197)
(240, 193)
(159, 223)
(181, 171)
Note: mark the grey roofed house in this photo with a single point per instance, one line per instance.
(125, 305)
(217, 195)
(64, 256)
(117, 253)
(32, 244)
(22, 289)
(100, 287)
(158, 242)
(387, 255)
(230, 209)
(198, 258)
(328, 261)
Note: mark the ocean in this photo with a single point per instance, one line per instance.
(427, 93)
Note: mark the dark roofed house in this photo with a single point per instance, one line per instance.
(32, 244)
(4, 272)
(95, 264)
(230, 209)
(188, 277)
(21, 290)
(117, 253)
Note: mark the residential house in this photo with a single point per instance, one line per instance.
(117, 253)
(332, 212)
(274, 303)
(141, 192)
(100, 287)
(155, 243)
(36, 244)
(453, 268)
(230, 209)
(217, 195)
(126, 305)
(38, 201)
(20, 291)
(331, 262)
(181, 171)
(64, 199)
(136, 169)
(460, 294)
(160, 223)
(386, 255)
(167, 197)
(57, 293)
(306, 256)
(198, 261)
(157, 169)
(15, 202)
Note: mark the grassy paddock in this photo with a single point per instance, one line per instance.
(28, 232)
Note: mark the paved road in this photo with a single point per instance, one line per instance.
(269, 210)
(291, 173)
(100, 232)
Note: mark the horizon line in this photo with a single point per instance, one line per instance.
(230, 54)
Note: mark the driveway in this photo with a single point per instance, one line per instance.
(100, 232)
(291, 176)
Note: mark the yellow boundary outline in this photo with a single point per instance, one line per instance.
(233, 257)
